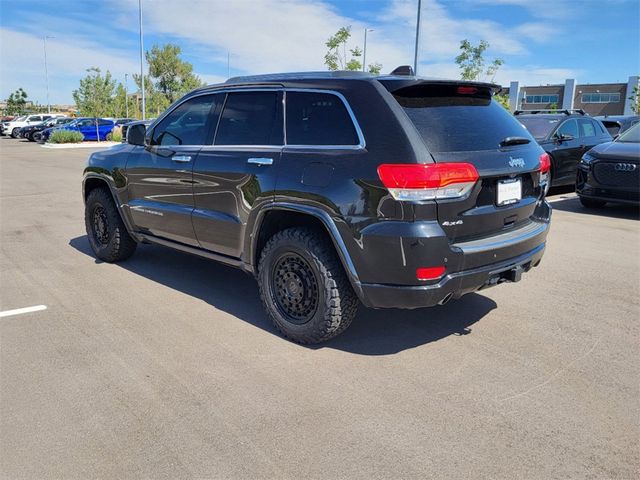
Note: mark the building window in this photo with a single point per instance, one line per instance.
(600, 97)
(542, 99)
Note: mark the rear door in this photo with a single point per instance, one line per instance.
(237, 172)
(567, 152)
(159, 176)
(461, 123)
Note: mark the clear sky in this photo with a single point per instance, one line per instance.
(541, 41)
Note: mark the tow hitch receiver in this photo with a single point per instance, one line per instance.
(514, 274)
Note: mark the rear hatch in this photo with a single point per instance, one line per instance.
(459, 122)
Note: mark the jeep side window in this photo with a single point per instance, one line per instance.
(318, 119)
(570, 127)
(250, 118)
(587, 128)
(187, 124)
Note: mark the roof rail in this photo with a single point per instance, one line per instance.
(565, 111)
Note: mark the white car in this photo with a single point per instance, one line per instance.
(12, 127)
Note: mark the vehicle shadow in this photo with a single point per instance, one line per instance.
(612, 210)
(373, 332)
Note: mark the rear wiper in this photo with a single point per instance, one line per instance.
(514, 141)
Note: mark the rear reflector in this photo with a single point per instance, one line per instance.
(545, 163)
(428, 181)
(429, 273)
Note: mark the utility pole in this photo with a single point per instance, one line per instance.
(141, 60)
(46, 70)
(415, 57)
(364, 52)
(228, 64)
(126, 95)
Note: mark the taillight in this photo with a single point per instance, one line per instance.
(545, 163)
(467, 90)
(428, 181)
(429, 273)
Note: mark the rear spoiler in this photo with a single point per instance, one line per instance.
(395, 83)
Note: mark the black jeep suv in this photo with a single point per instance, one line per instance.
(565, 136)
(330, 188)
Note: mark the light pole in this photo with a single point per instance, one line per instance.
(126, 96)
(228, 64)
(141, 60)
(364, 52)
(46, 70)
(415, 56)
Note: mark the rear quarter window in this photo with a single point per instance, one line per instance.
(451, 122)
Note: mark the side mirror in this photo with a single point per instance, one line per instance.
(563, 137)
(136, 133)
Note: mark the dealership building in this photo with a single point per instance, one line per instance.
(593, 98)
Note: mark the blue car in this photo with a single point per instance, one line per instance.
(90, 128)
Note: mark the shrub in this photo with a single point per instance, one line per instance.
(115, 135)
(65, 136)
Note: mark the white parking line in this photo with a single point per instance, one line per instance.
(559, 199)
(20, 311)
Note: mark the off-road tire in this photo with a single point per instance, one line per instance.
(336, 303)
(115, 244)
(592, 202)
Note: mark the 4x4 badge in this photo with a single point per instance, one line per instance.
(516, 162)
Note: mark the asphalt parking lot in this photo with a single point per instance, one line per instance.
(165, 366)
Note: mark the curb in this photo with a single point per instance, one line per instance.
(81, 145)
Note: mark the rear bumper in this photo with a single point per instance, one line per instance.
(451, 286)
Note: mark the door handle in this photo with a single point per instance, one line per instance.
(260, 161)
(181, 158)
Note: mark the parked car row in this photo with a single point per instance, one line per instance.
(12, 127)
(38, 128)
(584, 153)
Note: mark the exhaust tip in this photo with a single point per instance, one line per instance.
(446, 298)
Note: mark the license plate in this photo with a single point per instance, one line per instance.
(509, 191)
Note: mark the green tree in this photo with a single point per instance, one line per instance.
(471, 61)
(17, 102)
(502, 99)
(95, 96)
(155, 101)
(336, 57)
(635, 100)
(170, 75)
(118, 104)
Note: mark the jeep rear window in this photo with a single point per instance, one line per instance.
(452, 122)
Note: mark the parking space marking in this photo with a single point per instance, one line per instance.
(20, 311)
(563, 197)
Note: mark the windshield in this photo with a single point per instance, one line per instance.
(449, 120)
(630, 136)
(539, 127)
(20, 119)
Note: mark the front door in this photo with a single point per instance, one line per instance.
(159, 176)
(238, 172)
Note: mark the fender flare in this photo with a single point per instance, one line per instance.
(331, 229)
(110, 185)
